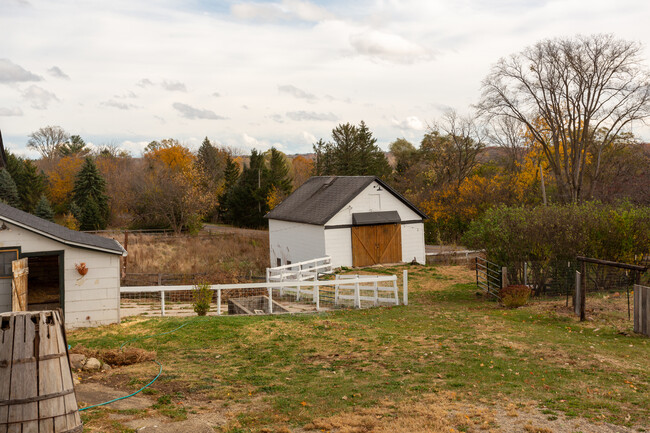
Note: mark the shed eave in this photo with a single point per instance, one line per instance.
(63, 241)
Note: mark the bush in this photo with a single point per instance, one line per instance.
(515, 296)
(201, 298)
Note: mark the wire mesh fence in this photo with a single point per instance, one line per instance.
(358, 291)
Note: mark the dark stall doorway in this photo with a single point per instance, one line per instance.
(45, 281)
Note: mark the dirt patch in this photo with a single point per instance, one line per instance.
(446, 412)
(93, 393)
(194, 424)
(116, 357)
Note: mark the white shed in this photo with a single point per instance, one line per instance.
(356, 220)
(53, 254)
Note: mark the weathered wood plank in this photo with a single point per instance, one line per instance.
(23, 376)
(7, 328)
(20, 273)
(49, 380)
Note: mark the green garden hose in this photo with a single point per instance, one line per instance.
(160, 369)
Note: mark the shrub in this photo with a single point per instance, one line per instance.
(201, 298)
(515, 296)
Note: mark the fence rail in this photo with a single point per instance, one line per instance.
(488, 276)
(300, 271)
(269, 295)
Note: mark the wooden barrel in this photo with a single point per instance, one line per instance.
(36, 388)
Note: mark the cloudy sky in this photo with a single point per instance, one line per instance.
(267, 73)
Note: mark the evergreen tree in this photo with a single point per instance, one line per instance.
(89, 194)
(29, 181)
(353, 152)
(209, 160)
(75, 211)
(279, 172)
(246, 201)
(8, 189)
(44, 210)
(74, 146)
(231, 175)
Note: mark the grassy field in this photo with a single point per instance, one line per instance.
(450, 361)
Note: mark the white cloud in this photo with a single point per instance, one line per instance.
(190, 112)
(389, 47)
(13, 73)
(412, 123)
(311, 115)
(38, 97)
(287, 10)
(296, 92)
(145, 82)
(173, 86)
(119, 105)
(56, 72)
(10, 112)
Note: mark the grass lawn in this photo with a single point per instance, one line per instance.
(443, 363)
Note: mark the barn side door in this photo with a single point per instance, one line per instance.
(364, 245)
(375, 244)
(389, 242)
(20, 271)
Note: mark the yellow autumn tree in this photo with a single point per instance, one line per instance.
(61, 179)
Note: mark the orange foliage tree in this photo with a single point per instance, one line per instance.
(302, 169)
(61, 179)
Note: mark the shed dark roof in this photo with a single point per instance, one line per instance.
(58, 232)
(322, 197)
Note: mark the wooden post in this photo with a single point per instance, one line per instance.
(19, 272)
(504, 277)
(270, 300)
(126, 248)
(317, 296)
(219, 302)
(476, 268)
(525, 273)
(583, 291)
(405, 287)
(357, 295)
(576, 294)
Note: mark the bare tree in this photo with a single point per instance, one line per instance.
(452, 146)
(564, 91)
(509, 135)
(48, 140)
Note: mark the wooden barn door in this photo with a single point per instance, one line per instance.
(20, 272)
(376, 244)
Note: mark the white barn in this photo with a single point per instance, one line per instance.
(356, 220)
(53, 253)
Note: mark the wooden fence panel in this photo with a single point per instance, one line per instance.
(642, 310)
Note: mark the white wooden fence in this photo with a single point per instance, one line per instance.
(300, 271)
(364, 288)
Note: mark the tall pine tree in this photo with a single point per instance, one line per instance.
(89, 194)
(231, 175)
(246, 200)
(29, 181)
(8, 189)
(279, 172)
(44, 210)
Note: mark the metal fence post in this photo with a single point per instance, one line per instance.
(357, 295)
(405, 287)
(317, 296)
(270, 300)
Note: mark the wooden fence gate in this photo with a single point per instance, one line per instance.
(20, 272)
(375, 244)
(642, 309)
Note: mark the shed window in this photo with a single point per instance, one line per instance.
(279, 261)
(6, 257)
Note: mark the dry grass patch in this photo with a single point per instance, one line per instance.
(116, 357)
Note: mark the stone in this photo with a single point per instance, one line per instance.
(106, 367)
(77, 361)
(92, 364)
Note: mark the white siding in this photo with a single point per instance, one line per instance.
(90, 300)
(371, 200)
(295, 241)
(338, 245)
(413, 243)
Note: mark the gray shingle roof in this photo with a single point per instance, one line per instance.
(321, 197)
(58, 232)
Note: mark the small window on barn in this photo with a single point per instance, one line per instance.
(6, 257)
(288, 262)
(279, 261)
